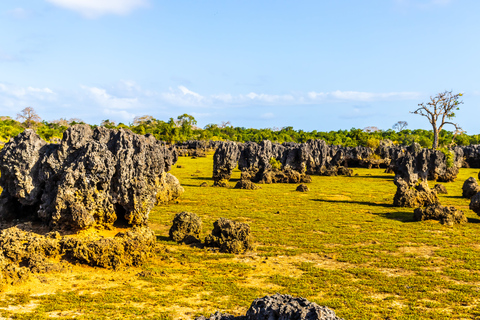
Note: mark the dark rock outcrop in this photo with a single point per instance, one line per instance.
(446, 215)
(186, 228)
(303, 188)
(225, 160)
(470, 188)
(230, 236)
(475, 203)
(280, 307)
(92, 178)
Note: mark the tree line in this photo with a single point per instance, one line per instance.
(184, 128)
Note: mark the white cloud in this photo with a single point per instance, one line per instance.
(183, 97)
(361, 96)
(95, 8)
(109, 101)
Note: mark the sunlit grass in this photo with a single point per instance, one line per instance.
(342, 245)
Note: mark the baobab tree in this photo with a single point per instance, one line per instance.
(29, 117)
(400, 125)
(439, 110)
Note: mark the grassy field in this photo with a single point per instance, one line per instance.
(341, 245)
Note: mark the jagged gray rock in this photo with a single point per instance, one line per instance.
(446, 215)
(475, 203)
(280, 307)
(225, 160)
(413, 196)
(92, 178)
(186, 228)
(230, 236)
(470, 188)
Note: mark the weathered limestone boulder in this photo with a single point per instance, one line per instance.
(440, 188)
(413, 196)
(280, 307)
(470, 188)
(446, 215)
(303, 188)
(25, 252)
(92, 178)
(475, 203)
(129, 248)
(284, 306)
(230, 236)
(186, 228)
(246, 184)
(225, 160)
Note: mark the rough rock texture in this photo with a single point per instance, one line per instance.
(92, 178)
(470, 188)
(280, 307)
(475, 204)
(128, 248)
(414, 163)
(413, 196)
(303, 188)
(446, 215)
(268, 162)
(194, 148)
(246, 184)
(24, 252)
(440, 188)
(186, 228)
(225, 160)
(230, 236)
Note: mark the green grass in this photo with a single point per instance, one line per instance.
(342, 245)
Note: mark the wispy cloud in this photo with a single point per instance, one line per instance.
(19, 13)
(361, 96)
(108, 101)
(96, 8)
(182, 96)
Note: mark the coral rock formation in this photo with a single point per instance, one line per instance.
(246, 184)
(470, 188)
(446, 215)
(186, 228)
(92, 178)
(303, 188)
(280, 307)
(230, 236)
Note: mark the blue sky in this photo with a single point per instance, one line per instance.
(313, 65)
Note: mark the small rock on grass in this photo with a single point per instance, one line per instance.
(303, 188)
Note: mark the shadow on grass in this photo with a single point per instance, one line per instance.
(163, 238)
(403, 216)
(365, 203)
(456, 197)
(473, 220)
(374, 177)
